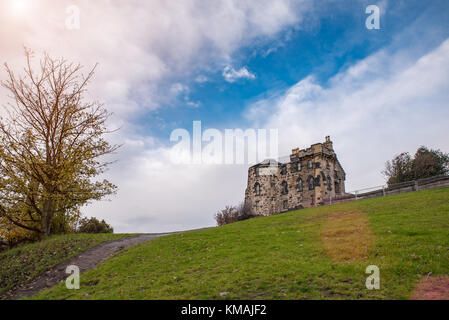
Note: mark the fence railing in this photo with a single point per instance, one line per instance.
(379, 191)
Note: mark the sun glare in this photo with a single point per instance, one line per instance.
(19, 6)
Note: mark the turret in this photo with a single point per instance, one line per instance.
(328, 143)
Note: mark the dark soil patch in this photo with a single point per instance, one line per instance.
(432, 288)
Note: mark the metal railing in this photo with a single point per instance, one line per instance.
(383, 190)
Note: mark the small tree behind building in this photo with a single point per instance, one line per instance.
(425, 163)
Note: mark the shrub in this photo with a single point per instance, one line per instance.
(93, 225)
(227, 215)
(245, 212)
(232, 214)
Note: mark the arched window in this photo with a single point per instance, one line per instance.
(257, 171)
(311, 183)
(310, 164)
(318, 181)
(329, 183)
(257, 189)
(300, 186)
(284, 170)
(284, 187)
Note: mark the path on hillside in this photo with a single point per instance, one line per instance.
(85, 261)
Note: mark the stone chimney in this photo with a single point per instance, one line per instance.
(328, 143)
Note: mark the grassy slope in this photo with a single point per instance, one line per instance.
(22, 264)
(281, 257)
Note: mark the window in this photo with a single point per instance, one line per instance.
(310, 164)
(311, 183)
(257, 189)
(318, 181)
(284, 187)
(257, 171)
(298, 166)
(300, 186)
(335, 174)
(284, 170)
(337, 188)
(329, 183)
(285, 204)
(327, 164)
(317, 164)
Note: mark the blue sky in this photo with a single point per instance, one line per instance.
(307, 68)
(330, 40)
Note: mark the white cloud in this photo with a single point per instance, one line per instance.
(178, 88)
(201, 79)
(156, 195)
(232, 75)
(142, 48)
(145, 51)
(193, 104)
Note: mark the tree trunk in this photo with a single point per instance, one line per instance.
(47, 215)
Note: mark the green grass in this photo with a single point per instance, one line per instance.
(22, 264)
(281, 257)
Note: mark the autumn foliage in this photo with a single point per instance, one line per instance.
(51, 149)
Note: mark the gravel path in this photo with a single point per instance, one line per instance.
(85, 261)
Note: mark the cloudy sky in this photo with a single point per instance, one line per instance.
(306, 68)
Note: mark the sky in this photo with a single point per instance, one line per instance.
(306, 68)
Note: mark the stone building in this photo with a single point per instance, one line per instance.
(308, 178)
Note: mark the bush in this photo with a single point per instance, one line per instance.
(93, 225)
(232, 214)
(245, 212)
(227, 215)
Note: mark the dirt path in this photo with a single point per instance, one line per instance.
(347, 237)
(85, 261)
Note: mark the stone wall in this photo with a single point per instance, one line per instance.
(273, 187)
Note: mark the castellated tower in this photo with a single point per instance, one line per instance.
(312, 176)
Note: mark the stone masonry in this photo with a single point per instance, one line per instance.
(312, 176)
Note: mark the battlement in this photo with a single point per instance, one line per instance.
(317, 148)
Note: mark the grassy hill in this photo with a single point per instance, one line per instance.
(22, 264)
(308, 254)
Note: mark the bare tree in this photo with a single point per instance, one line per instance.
(51, 145)
(227, 215)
